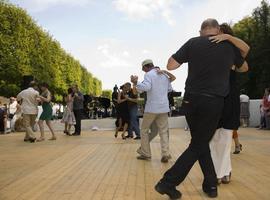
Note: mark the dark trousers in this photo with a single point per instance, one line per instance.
(133, 121)
(202, 115)
(78, 117)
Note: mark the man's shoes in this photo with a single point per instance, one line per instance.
(170, 191)
(210, 191)
(137, 138)
(26, 139)
(129, 136)
(32, 140)
(75, 134)
(142, 157)
(166, 159)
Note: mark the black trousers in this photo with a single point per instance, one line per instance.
(78, 117)
(202, 115)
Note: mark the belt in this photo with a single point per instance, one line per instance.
(205, 94)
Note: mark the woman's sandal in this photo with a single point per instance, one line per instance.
(53, 138)
(40, 139)
(226, 179)
(238, 149)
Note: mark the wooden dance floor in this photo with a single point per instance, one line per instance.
(96, 166)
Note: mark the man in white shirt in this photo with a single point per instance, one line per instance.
(156, 85)
(244, 98)
(244, 110)
(29, 98)
(12, 107)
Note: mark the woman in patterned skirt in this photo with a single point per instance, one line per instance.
(68, 117)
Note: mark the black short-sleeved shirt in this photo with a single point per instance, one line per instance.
(132, 96)
(209, 65)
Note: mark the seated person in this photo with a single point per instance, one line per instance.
(3, 119)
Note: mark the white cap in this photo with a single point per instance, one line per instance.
(146, 62)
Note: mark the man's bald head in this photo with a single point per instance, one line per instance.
(209, 27)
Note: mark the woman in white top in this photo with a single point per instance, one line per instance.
(68, 117)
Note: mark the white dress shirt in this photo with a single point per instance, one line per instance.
(244, 98)
(29, 101)
(12, 107)
(157, 87)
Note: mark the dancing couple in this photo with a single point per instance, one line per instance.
(208, 83)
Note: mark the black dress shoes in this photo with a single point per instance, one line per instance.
(162, 189)
(210, 191)
(32, 140)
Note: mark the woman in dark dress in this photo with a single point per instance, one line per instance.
(220, 144)
(46, 115)
(123, 111)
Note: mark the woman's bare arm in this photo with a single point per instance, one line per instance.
(240, 44)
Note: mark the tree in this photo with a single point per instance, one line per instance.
(107, 94)
(26, 49)
(255, 30)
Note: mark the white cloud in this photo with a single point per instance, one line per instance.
(41, 5)
(145, 9)
(113, 56)
(126, 54)
(145, 51)
(229, 10)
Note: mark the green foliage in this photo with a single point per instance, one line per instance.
(255, 30)
(26, 49)
(107, 94)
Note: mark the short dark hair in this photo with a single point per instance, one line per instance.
(150, 65)
(128, 83)
(33, 84)
(70, 91)
(44, 85)
(209, 23)
(226, 29)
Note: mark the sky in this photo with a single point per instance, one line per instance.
(111, 38)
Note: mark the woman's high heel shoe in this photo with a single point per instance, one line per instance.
(123, 136)
(226, 179)
(53, 138)
(41, 139)
(238, 149)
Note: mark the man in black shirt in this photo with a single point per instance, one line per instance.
(207, 84)
(114, 101)
(77, 109)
